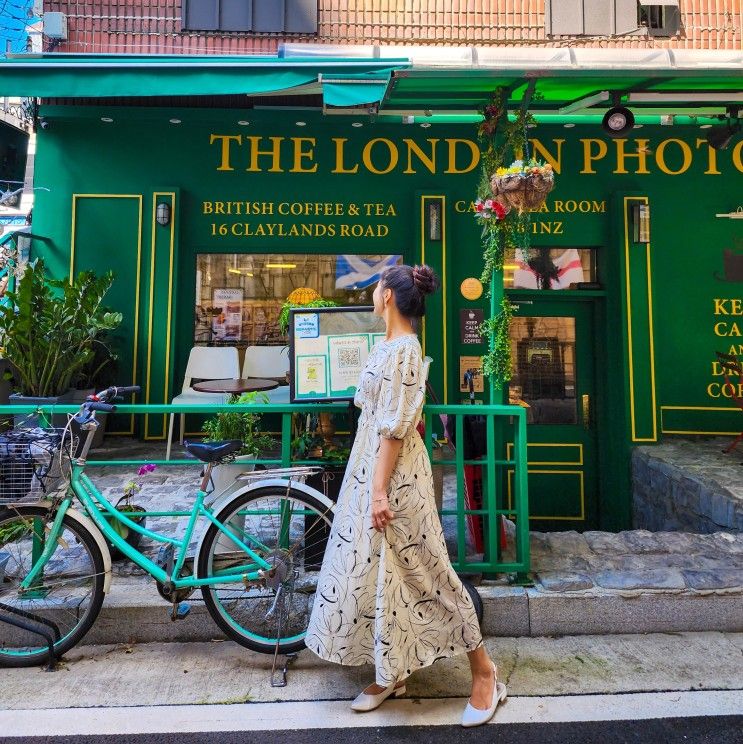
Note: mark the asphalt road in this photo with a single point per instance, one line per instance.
(706, 730)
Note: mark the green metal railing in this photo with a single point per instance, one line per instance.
(495, 470)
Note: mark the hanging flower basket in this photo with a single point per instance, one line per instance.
(523, 186)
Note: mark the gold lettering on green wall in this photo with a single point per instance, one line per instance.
(711, 157)
(392, 156)
(641, 154)
(428, 160)
(301, 154)
(660, 152)
(474, 156)
(541, 152)
(274, 153)
(340, 144)
(226, 139)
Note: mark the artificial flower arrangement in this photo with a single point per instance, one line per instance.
(491, 209)
(523, 185)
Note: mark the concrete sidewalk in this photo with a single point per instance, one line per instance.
(223, 673)
(595, 583)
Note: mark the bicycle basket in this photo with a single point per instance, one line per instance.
(33, 464)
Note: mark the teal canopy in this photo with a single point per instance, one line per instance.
(354, 90)
(103, 76)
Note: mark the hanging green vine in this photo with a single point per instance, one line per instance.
(502, 228)
(497, 362)
(504, 155)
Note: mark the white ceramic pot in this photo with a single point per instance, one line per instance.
(224, 475)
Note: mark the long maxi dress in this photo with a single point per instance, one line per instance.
(392, 599)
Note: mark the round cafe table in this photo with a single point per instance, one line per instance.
(244, 385)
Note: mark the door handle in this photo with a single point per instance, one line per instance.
(586, 406)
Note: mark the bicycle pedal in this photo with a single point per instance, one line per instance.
(182, 610)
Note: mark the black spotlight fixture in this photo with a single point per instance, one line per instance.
(719, 137)
(618, 120)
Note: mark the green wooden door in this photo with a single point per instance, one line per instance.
(552, 343)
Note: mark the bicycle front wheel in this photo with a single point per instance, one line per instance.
(66, 597)
(289, 530)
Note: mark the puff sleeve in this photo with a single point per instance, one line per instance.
(401, 394)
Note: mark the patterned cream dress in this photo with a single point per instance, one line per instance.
(392, 599)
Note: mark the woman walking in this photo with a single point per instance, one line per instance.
(387, 594)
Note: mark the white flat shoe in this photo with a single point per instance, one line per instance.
(475, 716)
(365, 701)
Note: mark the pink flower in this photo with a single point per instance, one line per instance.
(148, 468)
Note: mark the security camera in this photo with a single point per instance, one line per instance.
(43, 123)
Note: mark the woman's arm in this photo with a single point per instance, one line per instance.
(389, 449)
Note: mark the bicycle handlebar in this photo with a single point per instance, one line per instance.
(103, 407)
(113, 392)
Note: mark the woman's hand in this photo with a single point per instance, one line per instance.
(380, 512)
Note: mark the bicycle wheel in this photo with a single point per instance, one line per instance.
(289, 530)
(68, 594)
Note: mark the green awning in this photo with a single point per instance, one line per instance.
(102, 76)
(354, 90)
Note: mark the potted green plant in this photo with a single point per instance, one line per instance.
(48, 329)
(135, 512)
(242, 426)
(303, 297)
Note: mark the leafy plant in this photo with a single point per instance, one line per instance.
(49, 328)
(287, 306)
(101, 370)
(305, 442)
(309, 437)
(239, 425)
(11, 531)
(497, 361)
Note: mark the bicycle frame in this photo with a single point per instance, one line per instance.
(103, 513)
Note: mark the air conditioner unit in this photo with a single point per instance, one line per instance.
(55, 26)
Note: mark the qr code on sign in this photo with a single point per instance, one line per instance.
(349, 358)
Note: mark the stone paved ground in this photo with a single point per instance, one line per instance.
(636, 561)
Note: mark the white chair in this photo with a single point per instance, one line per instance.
(204, 363)
(266, 361)
(271, 362)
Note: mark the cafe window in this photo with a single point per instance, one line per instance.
(239, 296)
(549, 268)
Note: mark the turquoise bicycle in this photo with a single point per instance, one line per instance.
(256, 564)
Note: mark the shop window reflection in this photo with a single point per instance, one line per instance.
(239, 296)
(549, 268)
(543, 353)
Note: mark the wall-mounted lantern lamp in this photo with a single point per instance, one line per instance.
(640, 222)
(162, 213)
(434, 219)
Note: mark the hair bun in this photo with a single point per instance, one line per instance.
(424, 279)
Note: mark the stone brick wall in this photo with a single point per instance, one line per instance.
(687, 485)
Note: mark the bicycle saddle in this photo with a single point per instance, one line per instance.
(212, 451)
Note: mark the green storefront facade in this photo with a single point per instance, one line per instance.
(646, 337)
(626, 359)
